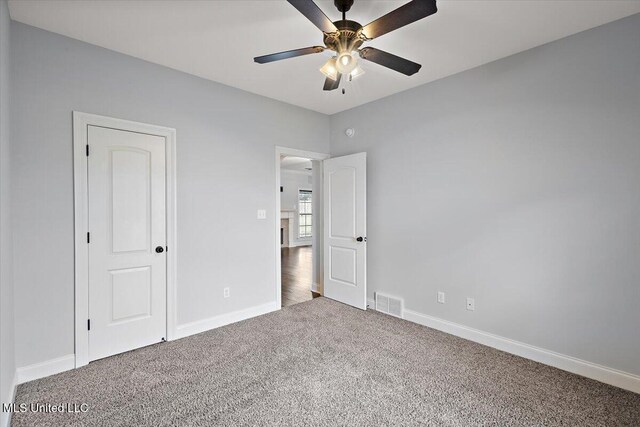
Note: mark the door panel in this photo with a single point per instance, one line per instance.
(130, 193)
(344, 221)
(127, 277)
(130, 294)
(343, 265)
(343, 199)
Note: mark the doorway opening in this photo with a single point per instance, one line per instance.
(337, 224)
(297, 214)
(299, 263)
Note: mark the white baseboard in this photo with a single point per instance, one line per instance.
(298, 244)
(5, 417)
(196, 327)
(65, 363)
(591, 370)
(44, 369)
(317, 288)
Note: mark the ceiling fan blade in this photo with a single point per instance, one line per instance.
(389, 60)
(404, 15)
(314, 14)
(330, 84)
(288, 54)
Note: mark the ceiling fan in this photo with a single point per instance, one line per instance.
(346, 37)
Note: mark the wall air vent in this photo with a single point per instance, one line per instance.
(389, 305)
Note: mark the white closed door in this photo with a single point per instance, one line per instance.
(127, 226)
(345, 229)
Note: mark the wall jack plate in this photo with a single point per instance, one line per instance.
(471, 304)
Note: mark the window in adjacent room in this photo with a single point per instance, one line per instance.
(304, 211)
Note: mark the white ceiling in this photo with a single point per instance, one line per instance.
(217, 39)
(295, 164)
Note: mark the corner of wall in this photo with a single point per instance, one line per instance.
(7, 333)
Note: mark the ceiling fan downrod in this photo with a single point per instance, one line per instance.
(343, 6)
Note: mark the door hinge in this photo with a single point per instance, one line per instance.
(87, 150)
(88, 324)
(88, 237)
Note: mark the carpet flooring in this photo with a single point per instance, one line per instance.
(321, 363)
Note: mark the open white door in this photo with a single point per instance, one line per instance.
(345, 229)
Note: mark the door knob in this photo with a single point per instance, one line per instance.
(361, 239)
(159, 249)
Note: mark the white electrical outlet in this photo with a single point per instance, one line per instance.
(226, 292)
(471, 304)
(262, 214)
(441, 299)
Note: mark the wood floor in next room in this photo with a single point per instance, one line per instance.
(297, 270)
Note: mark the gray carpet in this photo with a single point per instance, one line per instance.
(322, 363)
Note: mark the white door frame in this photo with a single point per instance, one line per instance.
(284, 151)
(81, 121)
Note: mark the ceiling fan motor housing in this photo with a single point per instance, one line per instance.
(347, 38)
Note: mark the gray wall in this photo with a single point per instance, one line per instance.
(225, 167)
(516, 183)
(7, 366)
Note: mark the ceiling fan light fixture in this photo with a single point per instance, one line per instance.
(329, 69)
(346, 62)
(357, 72)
